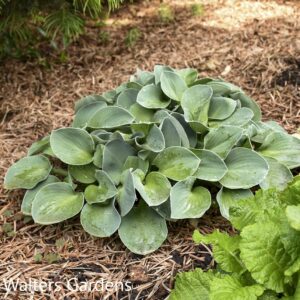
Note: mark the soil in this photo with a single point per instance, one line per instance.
(254, 44)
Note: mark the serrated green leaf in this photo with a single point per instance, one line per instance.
(293, 214)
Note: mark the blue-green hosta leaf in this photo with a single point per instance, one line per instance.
(69, 179)
(246, 169)
(191, 134)
(222, 139)
(189, 75)
(158, 70)
(264, 129)
(177, 163)
(55, 203)
(151, 96)
(72, 146)
(154, 140)
(240, 117)
(230, 287)
(101, 192)
(126, 193)
(86, 112)
(115, 154)
(172, 85)
(27, 172)
(193, 285)
(30, 194)
(128, 100)
(225, 249)
(88, 100)
(278, 176)
(222, 88)
(227, 198)
(100, 220)
(195, 103)
(293, 215)
(164, 210)
(283, 147)
(221, 108)
(83, 174)
(212, 166)
(98, 156)
(143, 230)
(143, 77)
(188, 201)
(110, 117)
(41, 146)
(135, 162)
(249, 103)
(154, 188)
(263, 241)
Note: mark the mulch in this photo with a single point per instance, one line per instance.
(254, 44)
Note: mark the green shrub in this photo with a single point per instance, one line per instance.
(166, 13)
(262, 262)
(132, 37)
(152, 150)
(24, 23)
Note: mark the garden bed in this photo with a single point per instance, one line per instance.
(256, 50)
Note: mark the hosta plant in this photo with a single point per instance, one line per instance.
(159, 147)
(261, 262)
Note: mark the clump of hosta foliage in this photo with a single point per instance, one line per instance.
(262, 262)
(154, 149)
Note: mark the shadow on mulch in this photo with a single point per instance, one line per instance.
(291, 75)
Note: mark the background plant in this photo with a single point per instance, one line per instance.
(156, 148)
(262, 262)
(23, 23)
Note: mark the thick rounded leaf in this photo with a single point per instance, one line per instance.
(86, 112)
(278, 177)
(154, 140)
(27, 172)
(222, 139)
(151, 96)
(189, 75)
(248, 102)
(222, 88)
(41, 146)
(100, 220)
(177, 163)
(240, 117)
(227, 198)
(72, 146)
(293, 215)
(143, 230)
(98, 156)
(30, 194)
(188, 201)
(158, 69)
(127, 98)
(55, 203)
(126, 195)
(154, 189)
(212, 166)
(135, 162)
(221, 108)
(83, 174)
(88, 100)
(110, 117)
(283, 147)
(101, 192)
(172, 85)
(195, 103)
(115, 154)
(246, 169)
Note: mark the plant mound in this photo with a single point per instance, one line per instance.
(152, 150)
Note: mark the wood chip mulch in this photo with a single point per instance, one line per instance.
(254, 44)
